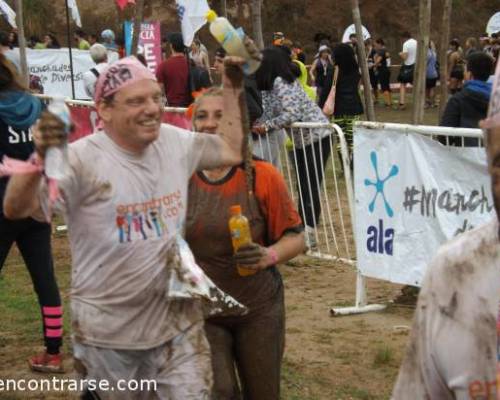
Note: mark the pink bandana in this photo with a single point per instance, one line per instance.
(120, 74)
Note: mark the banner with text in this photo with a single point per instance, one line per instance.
(53, 68)
(412, 194)
(149, 42)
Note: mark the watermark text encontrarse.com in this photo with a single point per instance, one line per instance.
(75, 385)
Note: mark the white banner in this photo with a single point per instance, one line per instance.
(412, 194)
(352, 29)
(52, 66)
(192, 14)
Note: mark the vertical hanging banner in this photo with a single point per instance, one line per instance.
(8, 13)
(149, 42)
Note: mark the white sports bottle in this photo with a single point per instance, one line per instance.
(231, 40)
(56, 158)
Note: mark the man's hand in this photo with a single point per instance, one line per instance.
(233, 73)
(254, 256)
(48, 131)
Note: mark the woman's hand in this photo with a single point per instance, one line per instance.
(255, 256)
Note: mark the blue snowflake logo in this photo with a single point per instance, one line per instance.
(379, 184)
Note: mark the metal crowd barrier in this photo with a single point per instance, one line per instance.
(331, 229)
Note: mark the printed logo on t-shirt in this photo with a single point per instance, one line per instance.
(149, 219)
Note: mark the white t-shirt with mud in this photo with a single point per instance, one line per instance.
(410, 47)
(123, 212)
(453, 344)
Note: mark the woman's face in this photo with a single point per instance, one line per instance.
(194, 47)
(324, 55)
(208, 114)
(47, 39)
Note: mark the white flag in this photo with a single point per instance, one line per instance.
(75, 14)
(8, 13)
(192, 15)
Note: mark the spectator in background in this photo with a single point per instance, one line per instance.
(50, 41)
(321, 74)
(199, 57)
(455, 67)
(353, 41)
(80, 40)
(173, 74)
(13, 39)
(409, 56)
(370, 52)
(471, 46)
(92, 39)
(99, 55)
(348, 104)
(431, 76)
(278, 38)
(108, 41)
(298, 52)
(10, 55)
(382, 61)
(285, 102)
(469, 106)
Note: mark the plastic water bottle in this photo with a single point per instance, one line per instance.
(231, 40)
(56, 158)
(240, 235)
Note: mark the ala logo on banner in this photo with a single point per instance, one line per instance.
(380, 239)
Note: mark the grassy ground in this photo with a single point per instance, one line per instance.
(355, 357)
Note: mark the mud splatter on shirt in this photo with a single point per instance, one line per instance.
(453, 343)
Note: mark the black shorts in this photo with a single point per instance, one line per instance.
(457, 72)
(384, 78)
(430, 83)
(406, 74)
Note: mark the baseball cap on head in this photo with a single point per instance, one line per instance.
(119, 75)
(278, 35)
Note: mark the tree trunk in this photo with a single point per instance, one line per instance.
(443, 56)
(139, 15)
(256, 8)
(421, 67)
(356, 15)
(22, 42)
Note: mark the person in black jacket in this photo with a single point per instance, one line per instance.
(19, 110)
(466, 108)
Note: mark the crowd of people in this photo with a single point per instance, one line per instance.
(136, 184)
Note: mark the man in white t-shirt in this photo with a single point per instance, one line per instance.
(453, 349)
(409, 56)
(124, 199)
(99, 55)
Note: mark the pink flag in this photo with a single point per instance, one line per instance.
(123, 3)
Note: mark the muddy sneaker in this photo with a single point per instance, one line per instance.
(44, 362)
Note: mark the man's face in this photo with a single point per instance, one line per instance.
(208, 114)
(134, 116)
(493, 151)
(219, 64)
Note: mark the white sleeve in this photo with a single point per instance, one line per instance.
(406, 46)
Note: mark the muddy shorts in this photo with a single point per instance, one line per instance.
(177, 370)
